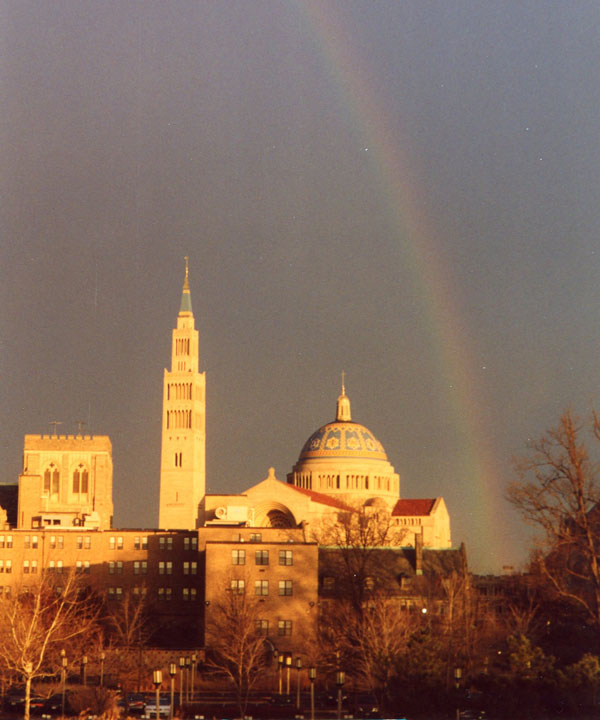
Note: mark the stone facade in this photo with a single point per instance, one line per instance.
(66, 481)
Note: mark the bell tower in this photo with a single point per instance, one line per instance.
(182, 465)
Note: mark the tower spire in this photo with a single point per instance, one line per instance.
(343, 404)
(186, 297)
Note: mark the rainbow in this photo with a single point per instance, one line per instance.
(398, 176)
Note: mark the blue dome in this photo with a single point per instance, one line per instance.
(343, 439)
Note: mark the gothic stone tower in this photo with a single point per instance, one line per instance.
(182, 466)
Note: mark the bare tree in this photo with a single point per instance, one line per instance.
(558, 492)
(357, 538)
(373, 642)
(37, 621)
(128, 628)
(234, 644)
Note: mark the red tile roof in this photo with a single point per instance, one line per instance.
(413, 507)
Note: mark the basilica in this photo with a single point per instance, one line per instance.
(268, 541)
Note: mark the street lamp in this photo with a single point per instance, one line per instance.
(340, 679)
(312, 676)
(63, 675)
(188, 672)
(280, 662)
(102, 659)
(298, 668)
(194, 662)
(84, 661)
(288, 667)
(457, 677)
(172, 673)
(157, 682)
(181, 669)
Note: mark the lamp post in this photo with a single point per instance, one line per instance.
(457, 677)
(194, 662)
(288, 667)
(63, 675)
(84, 661)
(312, 676)
(188, 664)
(172, 673)
(102, 659)
(181, 669)
(157, 681)
(298, 668)
(280, 662)
(340, 679)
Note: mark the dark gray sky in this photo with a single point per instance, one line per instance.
(407, 191)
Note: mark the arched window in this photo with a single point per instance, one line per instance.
(81, 482)
(51, 481)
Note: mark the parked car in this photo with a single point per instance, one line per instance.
(136, 702)
(164, 707)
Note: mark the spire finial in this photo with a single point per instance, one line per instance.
(186, 298)
(186, 282)
(343, 404)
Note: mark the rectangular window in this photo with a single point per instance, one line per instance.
(284, 627)
(119, 593)
(9, 541)
(141, 542)
(52, 542)
(261, 557)
(80, 542)
(9, 566)
(165, 568)
(112, 543)
(119, 543)
(190, 543)
(87, 542)
(34, 566)
(86, 567)
(111, 567)
(261, 627)
(238, 587)
(261, 587)
(140, 567)
(190, 568)
(79, 566)
(1, 541)
(1, 566)
(26, 567)
(27, 542)
(165, 593)
(119, 567)
(34, 541)
(285, 587)
(60, 542)
(256, 537)
(238, 557)
(111, 593)
(59, 566)
(51, 566)
(328, 583)
(165, 543)
(190, 594)
(286, 557)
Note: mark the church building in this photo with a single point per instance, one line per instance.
(270, 540)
